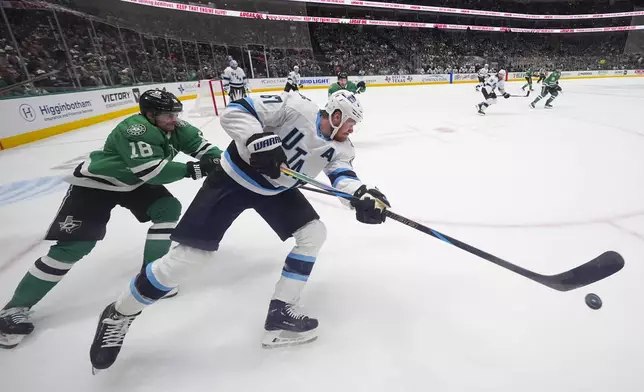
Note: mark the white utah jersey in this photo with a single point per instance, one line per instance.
(483, 72)
(235, 78)
(493, 82)
(293, 78)
(296, 120)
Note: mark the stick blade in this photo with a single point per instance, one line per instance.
(601, 267)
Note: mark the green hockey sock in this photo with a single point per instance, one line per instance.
(47, 271)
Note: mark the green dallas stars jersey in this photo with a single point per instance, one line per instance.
(552, 80)
(137, 152)
(531, 72)
(350, 87)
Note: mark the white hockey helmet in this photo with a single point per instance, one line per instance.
(486, 66)
(296, 68)
(502, 72)
(233, 63)
(347, 103)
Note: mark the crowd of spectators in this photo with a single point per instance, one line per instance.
(94, 44)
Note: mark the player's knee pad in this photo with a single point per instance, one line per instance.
(310, 238)
(70, 251)
(491, 101)
(166, 209)
(179, 263)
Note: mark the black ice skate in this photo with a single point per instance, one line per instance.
(14, 326)
(285, 326)
(548, 106)
(110, 333)
(480, 109)
(532, 105)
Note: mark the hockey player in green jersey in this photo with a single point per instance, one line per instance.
(130, 170)
(542, 75)
(550, 86)
(343, 83)
(528, 77)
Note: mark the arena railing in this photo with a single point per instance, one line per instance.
(202, 9)
(468, 12)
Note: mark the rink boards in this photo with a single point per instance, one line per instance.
(34, 118)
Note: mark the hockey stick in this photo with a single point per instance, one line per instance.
(601, 267)
(521, 96)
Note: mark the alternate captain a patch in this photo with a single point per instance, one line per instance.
(69, 225)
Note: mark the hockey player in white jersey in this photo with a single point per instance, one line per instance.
(483, 74)
(494, 82)
(293, 81)
(235, 82)
(268, 133)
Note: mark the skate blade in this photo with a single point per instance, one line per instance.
(8, 341)
(280, 338)
(172, 293)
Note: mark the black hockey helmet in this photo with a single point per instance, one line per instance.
(343, 75)
(159, 101)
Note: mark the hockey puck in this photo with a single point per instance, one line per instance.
(593, 301)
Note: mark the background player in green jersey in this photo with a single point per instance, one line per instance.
(343, 83)
(550, 86)
(528, 77)
(129, 171)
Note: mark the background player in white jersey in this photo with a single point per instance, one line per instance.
(293, 81)
(494, 82)
(235, 82)
(287, 129)
(483, 74)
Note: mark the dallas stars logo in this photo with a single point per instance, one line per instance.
(69, 225)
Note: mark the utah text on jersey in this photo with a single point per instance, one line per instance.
(296, 120)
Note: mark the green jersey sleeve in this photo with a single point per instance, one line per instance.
(193, 143)
(333, 88)
(146, 151)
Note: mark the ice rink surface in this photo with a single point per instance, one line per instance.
(398, 310)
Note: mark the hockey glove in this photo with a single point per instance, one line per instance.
(506, 95)
(370, 209)
(266, 153)
(201, 169)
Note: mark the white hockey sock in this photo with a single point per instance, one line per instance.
(299, 263)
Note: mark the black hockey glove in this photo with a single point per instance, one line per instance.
(201, 169)
(506, 95)
(371, 207)
(361, 84)
(266, 153)
(492, 95)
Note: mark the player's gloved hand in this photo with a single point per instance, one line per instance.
(492, 95)
(361, 84)
(371, 206)
(205, 166)
(301, 86)
(558, 87)
(266, 153)
(506, 95)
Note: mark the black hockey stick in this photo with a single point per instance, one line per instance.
(521, 96)
(601, 267)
